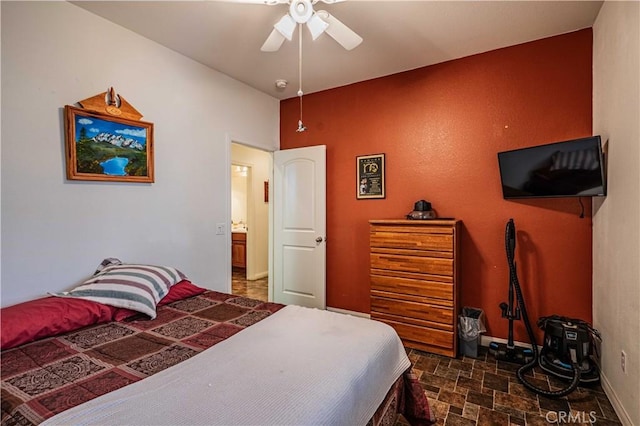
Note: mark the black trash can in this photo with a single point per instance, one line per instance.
(470, 328)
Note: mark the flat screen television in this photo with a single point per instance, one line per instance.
(573, 168)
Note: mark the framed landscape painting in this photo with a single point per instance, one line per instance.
(107, 148)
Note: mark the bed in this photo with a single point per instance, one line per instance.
(205, 358)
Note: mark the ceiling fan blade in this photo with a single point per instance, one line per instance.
(273, 42)
(339, 31)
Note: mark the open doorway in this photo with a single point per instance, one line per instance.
(250, 174)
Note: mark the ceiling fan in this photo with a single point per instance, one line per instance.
(301, 12)
(318, 22)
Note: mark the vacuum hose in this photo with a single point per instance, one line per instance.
(510, 243)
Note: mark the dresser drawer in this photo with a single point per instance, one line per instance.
(421, 311)
(385, 237)
(424, 338)
(413, 289)
(418, 264)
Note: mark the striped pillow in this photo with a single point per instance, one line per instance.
(135, 287)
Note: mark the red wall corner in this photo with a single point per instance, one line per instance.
(441, 127)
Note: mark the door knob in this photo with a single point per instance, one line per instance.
(318, 240)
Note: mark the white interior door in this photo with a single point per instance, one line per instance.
(299, 226)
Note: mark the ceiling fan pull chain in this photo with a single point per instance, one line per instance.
(301, 127)
(300, 61)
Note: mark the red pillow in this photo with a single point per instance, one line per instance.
(179, 291)
(49, 316)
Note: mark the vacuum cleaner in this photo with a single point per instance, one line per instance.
(509, 351)
(567, 351)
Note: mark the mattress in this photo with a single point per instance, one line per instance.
(299, 366)
(213, 359)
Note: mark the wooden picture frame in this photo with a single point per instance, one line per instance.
(104, 147)
(370, 176)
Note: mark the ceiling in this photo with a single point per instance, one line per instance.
(398, 35)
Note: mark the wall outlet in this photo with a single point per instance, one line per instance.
(219, 228)
(623, 361)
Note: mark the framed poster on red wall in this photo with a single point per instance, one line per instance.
(370, 180)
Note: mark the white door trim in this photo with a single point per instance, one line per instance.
(229, 140)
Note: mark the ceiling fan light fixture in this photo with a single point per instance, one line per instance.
(316, 26)
(286, 26)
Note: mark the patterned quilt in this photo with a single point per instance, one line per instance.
(49, 376)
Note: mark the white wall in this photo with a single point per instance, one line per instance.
(616, 221)
(55, 232)
(0, 163)
(258, 210)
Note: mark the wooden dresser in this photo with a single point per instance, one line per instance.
(414, 283)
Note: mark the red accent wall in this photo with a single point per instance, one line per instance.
(441, 127)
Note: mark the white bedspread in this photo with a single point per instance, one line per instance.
(299, 366)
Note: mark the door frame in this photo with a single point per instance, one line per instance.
(229, 140)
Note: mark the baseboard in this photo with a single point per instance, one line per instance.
(346, 312)
(258, 276)
(615, 401)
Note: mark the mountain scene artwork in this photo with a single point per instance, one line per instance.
(110, 148)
